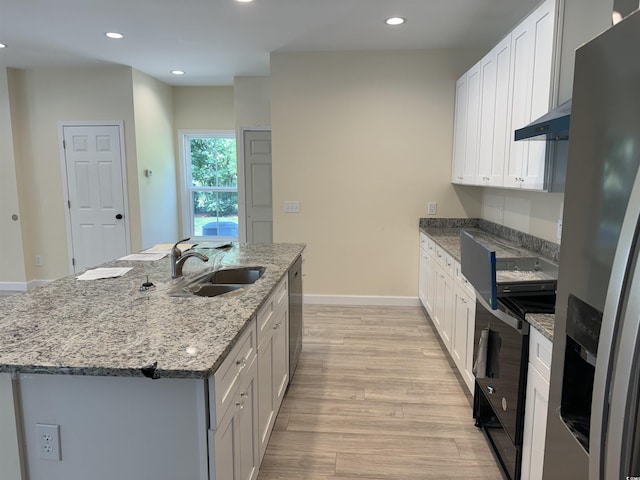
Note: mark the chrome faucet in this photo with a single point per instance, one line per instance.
(177, 258)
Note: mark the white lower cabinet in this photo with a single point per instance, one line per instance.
(450, 302)
(234, 446)
(537, 399)
(233, 437)
(247, 390)
(463, 330)
(273, 360)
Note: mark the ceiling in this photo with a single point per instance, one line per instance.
(215, 40)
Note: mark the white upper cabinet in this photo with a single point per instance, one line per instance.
(495, 72)
(459, 130)
(467, 127)
(506, 90)
(532, 45)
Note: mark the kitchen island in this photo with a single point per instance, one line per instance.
(132, 378)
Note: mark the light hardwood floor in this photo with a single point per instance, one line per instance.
(374, 397)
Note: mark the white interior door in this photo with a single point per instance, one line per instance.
(257, 172)
(94, 166)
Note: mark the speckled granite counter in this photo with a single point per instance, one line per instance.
(543, 322)
(109, 328)
(506, 242)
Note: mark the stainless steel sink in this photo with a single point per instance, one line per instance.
(238, 276)
(220, 282)
(211, 290)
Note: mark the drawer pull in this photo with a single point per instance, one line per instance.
(276, 326)
(241, 363)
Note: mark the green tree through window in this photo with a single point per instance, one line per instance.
(213, 185)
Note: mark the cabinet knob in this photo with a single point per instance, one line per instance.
(241, 363)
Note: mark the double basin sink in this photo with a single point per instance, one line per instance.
(219, 282)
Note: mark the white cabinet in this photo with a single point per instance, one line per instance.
(466, 129)
(495, 134)
(459, 131)
(233, 438)
(509, 88)
(427, 274)
(537, 398)
(235, 443)
(273, 360)
(532, 47)
(450, 302)
(463, 331)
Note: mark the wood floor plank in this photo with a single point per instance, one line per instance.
(375, 398)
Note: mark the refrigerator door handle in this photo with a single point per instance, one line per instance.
(619, 332)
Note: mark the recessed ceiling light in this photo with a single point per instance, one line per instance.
(395, 21)
(115, 35)
(177, 72)
(244, 1)
(2, 45)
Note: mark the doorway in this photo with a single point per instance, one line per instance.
(97, 217)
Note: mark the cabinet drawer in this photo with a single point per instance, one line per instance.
(276, 301)
(463, 282)
(445, 260)
(229, 375)
(540, 349)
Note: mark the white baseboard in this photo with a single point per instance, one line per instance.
(361, 300)
(17, 287)
(13, 286)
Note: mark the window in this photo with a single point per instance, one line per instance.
(211, 185)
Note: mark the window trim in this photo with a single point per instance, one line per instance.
(186, 212)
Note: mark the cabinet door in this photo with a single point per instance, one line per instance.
(281, 356)
(522, 61)
(247, 424)
(422, 276)
(459, 131)
(463, 330)
(438, 297)
(494, 114)
(430, 288)
(542, 26)
(474, 84)
(226, 447)
(266, 408)
(535, 425)
(443, 317)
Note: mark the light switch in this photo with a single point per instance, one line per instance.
(292, 206)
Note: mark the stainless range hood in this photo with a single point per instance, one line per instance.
(551, 126)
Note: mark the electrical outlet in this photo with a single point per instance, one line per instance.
(432, 208)
(48, 442)
(291, 206)
(38, 261)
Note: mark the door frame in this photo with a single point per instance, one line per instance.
(65, 185)
(242, 200)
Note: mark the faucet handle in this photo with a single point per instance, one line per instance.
(175, 251)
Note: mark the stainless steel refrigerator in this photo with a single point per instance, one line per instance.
(593, 428)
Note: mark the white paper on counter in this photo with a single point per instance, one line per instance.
(166, 248)
(98, 273)
(144, 257)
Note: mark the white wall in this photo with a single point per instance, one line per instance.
(155, 151)
(364, 140)
(252, 99)
(203, 108)
(40, 98)
(12, 273)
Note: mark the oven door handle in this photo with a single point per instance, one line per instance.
(520, 326)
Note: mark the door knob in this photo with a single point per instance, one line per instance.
(119, 216)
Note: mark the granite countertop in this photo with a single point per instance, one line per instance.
(110, 328)
(446, 233)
